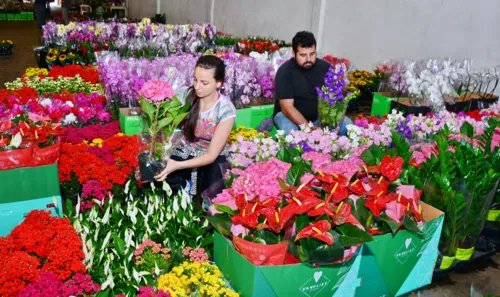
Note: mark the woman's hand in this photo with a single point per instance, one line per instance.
(172, 166)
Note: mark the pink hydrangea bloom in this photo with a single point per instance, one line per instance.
(156, 91)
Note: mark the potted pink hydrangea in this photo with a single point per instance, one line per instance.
(162, 112)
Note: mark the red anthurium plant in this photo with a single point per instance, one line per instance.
(386, 203)
(315, 218)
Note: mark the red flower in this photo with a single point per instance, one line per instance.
(377, 203)
(318, 230)
(391, 168)
(357, 187)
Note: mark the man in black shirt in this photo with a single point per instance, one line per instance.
(296, 82)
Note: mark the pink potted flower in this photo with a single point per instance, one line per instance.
(162, 113)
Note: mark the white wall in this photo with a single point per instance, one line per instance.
(274, 18)
(186, 11)
(365, 31)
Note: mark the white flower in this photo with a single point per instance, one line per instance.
(69, 103)
(69, 119)
(288, 138)
(45, 102)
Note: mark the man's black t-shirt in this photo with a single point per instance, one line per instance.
(295, 82)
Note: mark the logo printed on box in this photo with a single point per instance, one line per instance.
(405, 251)
(315, 284)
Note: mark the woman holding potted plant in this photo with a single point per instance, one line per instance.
(205, 130)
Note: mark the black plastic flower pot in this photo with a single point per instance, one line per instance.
(491, 232)
(148, 168)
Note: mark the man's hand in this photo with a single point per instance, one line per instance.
(291, 112)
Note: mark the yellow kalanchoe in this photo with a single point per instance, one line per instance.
(201, 279)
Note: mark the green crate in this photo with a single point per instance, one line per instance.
(29, 183)
(243, 118)
(3, 16)
(382, 103)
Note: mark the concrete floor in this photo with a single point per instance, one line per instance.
(485, 277)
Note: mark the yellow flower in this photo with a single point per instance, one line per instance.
(120, 134)
(97, 142)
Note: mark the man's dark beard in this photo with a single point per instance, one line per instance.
(307, 65)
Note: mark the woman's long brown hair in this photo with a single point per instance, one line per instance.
(208, 62)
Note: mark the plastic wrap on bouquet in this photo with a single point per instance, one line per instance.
(280, 56)
(162, 112)
(333, 98)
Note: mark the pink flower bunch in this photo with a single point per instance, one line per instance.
(155, 249)
(422, 152)
(49, 285)
(244, 153)
(324, 163)
(150, 292)
(321, 140)
(259, 179)
(65, 108)
(104, 153)
(78, 135)
(196, 255)
(156, 91)
(92, 189)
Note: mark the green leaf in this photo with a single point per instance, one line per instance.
(231, 179)
(373, 155)
(467, 129)
(267, 237)
(178, 118)
(412, 226)
(225, 209)
(284, 155)
(69, 208)
(363, 212)
(164, 122)
(119, 244)
(294, 153)
(148, 108)
(175, 102)
(104, 293)
(317, 252)
(351, 235)
(221, 223)
(393, 225)
(283, 185)
(295, 173)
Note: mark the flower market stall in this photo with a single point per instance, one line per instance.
(404, 198)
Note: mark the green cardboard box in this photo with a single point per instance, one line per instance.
(395, 265)
(382, 103)
(131, 123)
(286, 280)
(13, 214)
(24, 189)
(3, 16)
(10, 16)
(29, 183)
(260, 113)
(243, 118)
(30, 16)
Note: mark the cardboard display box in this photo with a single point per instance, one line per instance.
(130, 124)
(25, 189)
(395, 265)
(252, 117)
(285, 280)
(381, 104)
